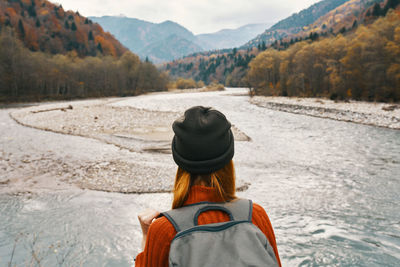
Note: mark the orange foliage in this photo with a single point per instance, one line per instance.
(98, 29)
(56, 27)
(349, 94)
(109, 49)
(52, 36)
(81, 37)
(11, 12)
(31, 39)
(99, 39)
(43, 12)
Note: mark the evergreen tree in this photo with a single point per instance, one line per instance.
(66, 25)
(376, 10)
(392, 4)
(100, 48)
(313, 36)
(21, 28)
(73, 26)
(90, 36)
(263, 46)
(32, 10)
(38, 23)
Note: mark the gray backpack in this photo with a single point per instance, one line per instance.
(237, 242)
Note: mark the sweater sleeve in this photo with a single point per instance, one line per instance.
(156, 251)
(261, 220)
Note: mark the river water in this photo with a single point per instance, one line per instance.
(330, 188)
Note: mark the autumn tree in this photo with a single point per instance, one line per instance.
(364, 65)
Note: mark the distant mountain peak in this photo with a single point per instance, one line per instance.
(170, 22)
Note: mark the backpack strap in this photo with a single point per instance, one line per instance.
(187, 217)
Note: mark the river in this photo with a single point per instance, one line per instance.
(330, 188)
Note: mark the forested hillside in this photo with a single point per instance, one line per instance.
(362, 65)
(49, 53)
(295, 23)
(159, 42)
(206, 66)
(47, 27)
(230, 66)
(345, 18)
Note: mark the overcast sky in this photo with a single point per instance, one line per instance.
(199, 16)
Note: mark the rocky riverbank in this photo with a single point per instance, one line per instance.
(143, 136)
(376, 114)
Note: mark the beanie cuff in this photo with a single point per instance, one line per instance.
(204, 166)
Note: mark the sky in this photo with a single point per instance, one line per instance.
(198, 16)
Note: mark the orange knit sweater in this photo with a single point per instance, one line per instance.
(161, 231)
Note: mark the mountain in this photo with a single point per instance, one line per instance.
(136, 34)
(170, 48)
(295, 22)
(345, 16)
(144, 38)
(230, 38)
(230, 66)
(162, 42)
(339, 20)
(47, 27)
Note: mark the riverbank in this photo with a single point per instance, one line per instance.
(376, 114)
(143, 136)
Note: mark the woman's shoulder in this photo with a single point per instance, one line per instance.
(260, 217)
(259, 210)
(162, 226)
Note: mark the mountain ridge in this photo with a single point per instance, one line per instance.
(294, 23)
(142, 37)
(229, 66)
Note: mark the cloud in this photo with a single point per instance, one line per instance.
(198, 16)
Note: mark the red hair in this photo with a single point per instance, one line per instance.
(223, 180)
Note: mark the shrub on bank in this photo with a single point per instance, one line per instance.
(182, 83)
(215, 87)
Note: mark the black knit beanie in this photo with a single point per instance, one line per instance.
(203, 141)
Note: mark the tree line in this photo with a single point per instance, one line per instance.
(362, 65)
(33, 76)
(225, 66)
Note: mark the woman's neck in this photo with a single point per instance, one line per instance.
(203, 179)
